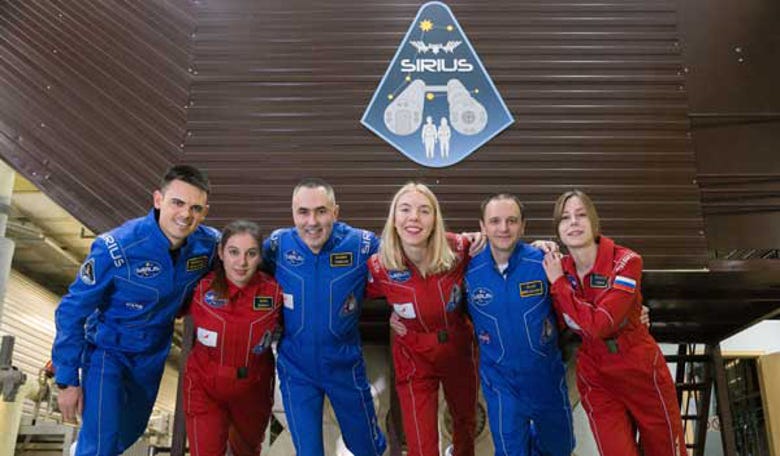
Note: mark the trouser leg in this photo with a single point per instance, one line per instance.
(207, 422)
(460, 391)
(102, 387)
(418, 395)
(249, 414)
(354, 408)
(609, 419)
(303, 406)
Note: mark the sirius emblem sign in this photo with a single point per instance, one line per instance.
(436, 103)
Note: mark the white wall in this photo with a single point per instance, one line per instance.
(763, 337)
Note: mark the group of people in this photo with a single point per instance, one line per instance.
(460, 317)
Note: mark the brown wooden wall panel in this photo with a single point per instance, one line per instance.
(596, 89)
(735, 117)
(92, 99)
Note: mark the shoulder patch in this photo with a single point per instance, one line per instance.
(197, 263)
(273, 240)
(341, 259)
(350, 306)
(263, 303)
(533, 288)
(624, 283)
(455, 297)
(87, 272)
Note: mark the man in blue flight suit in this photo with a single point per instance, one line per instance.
(520, 365)
(115, 324)
(321, 266)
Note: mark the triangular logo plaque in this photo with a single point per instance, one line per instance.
(436, 103)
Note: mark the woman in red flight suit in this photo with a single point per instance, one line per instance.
(622, 376)
(419, 270)
(229, 377)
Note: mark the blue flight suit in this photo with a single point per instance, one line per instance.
(320, 351)
(128, 292)
(520, 365)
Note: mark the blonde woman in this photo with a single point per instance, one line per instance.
(419, 270)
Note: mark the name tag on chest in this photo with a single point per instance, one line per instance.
(341, 260)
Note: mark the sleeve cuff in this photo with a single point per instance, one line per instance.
(67, 377)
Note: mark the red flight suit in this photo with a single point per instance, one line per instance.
(622, 376)
(229, 376)
(438, 348)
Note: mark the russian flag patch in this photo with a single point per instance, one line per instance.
(624, 283)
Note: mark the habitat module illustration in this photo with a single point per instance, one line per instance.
(436, 103)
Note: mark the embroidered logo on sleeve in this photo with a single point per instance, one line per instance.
(455, 297)
(197, 263)
(289, 301)
(350, 306)
(624, 283)
(87, 272)
(207, 337)
(341, 259)
(264, 343)
(599, 281)
(571, 323)
(405, 310)
(263, 303)
(548, 330)
(533, 288)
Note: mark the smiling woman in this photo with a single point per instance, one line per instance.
(623, 380)
(419, 270)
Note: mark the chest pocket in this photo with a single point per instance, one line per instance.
(540, 331)
(132, 304)
(346, 294)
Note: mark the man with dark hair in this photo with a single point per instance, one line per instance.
(520, 365)
(321, 265)
(115, 324)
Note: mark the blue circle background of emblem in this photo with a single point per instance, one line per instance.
(147, 269)
(294, 257)
(399, 276)
(436, 103)
(210, 298)
(481, 296)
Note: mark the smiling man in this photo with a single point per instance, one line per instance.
(520, 365)
(321, 265)
(115, 324)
